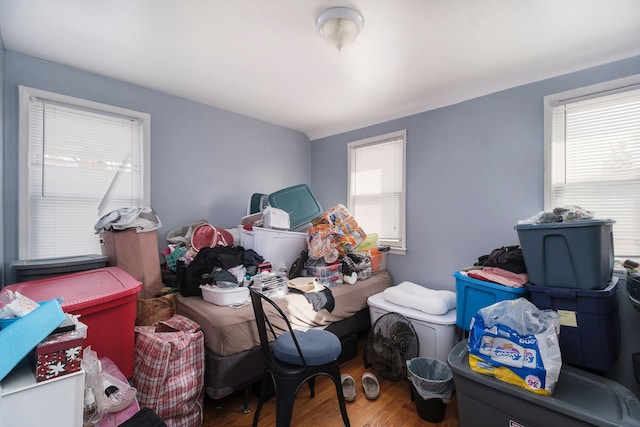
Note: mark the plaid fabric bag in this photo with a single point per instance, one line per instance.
(169, 370)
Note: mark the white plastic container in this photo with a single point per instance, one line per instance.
(224, 296)
(436, 334)
(275, 246)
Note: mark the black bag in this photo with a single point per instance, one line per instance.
(507, 257)
(298, 265)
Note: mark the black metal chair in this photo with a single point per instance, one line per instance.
(294, 358)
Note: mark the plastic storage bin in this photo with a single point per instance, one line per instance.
(299, 202)
(42, 268)
(274, 246)
(580, 399)
(436, 334)
(329, 275)
(473, 294)
(577, 254)
(589, 323)
(225, 296)
(106, 300)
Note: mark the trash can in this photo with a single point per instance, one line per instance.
(431, 387)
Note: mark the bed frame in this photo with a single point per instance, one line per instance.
(241, 371)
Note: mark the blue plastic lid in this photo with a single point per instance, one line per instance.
(299, 202)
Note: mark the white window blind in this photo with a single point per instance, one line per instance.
(593, 159)
(79, 161)
(376, 189)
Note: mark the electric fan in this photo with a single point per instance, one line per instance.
(392, 341)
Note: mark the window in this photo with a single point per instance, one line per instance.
(78, 161)
(376, 189)
(592, 156)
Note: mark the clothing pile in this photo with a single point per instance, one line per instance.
(504, 265)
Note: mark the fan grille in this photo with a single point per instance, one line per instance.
(391, 342)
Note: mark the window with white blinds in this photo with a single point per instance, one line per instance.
(78, 161)
(592, 154)
(376, 188)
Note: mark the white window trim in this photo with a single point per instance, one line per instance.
(402, 134)
(24, 94)
(550, 101)
(578, 94)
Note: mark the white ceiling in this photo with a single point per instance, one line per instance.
(264, 59)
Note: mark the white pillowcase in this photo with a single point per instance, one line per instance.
(408, 294)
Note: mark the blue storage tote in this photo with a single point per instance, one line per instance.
(589, 323)
(573, 254)
(473, 294)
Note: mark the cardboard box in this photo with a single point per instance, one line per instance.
(58, 355)
(137, 254)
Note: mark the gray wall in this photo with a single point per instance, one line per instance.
(205, 162)
(473, 170)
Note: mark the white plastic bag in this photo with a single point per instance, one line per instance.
(516, 342)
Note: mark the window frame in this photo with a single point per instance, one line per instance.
(575, 95)
(396, 247)
(24, 205)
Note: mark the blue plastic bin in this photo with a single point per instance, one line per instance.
(589, 323)
(575, 254)
(473, 294)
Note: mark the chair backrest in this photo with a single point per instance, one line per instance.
(263, 322)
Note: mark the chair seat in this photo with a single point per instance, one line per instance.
(318, 347)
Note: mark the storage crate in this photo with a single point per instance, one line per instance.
(329, 275)
(473, 294)
(275, 246)
(589, 323)
(581, 399)
(105, 298)
(575, 254)
(27, 270)
(225, 296)
(299, 202)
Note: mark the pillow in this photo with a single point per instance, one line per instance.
(408, 294)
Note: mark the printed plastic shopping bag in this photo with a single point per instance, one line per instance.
(517, 343)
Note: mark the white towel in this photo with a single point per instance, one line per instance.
(408, 294)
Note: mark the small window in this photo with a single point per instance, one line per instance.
(78, 161)
(376, 188)
(592, 156)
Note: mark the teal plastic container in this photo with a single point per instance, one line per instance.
(473, 294)
(575, 254)
(299, 202)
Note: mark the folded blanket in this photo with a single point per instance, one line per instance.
(408, 294)
(501, 276)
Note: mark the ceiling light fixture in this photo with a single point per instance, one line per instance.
(340, 26)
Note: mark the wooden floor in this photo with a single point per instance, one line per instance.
(393, 408)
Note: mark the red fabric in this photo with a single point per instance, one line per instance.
(169, 370)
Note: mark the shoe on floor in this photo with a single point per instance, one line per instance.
(348, 387)
(371, 386)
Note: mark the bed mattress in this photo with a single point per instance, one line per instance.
(231, 330)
